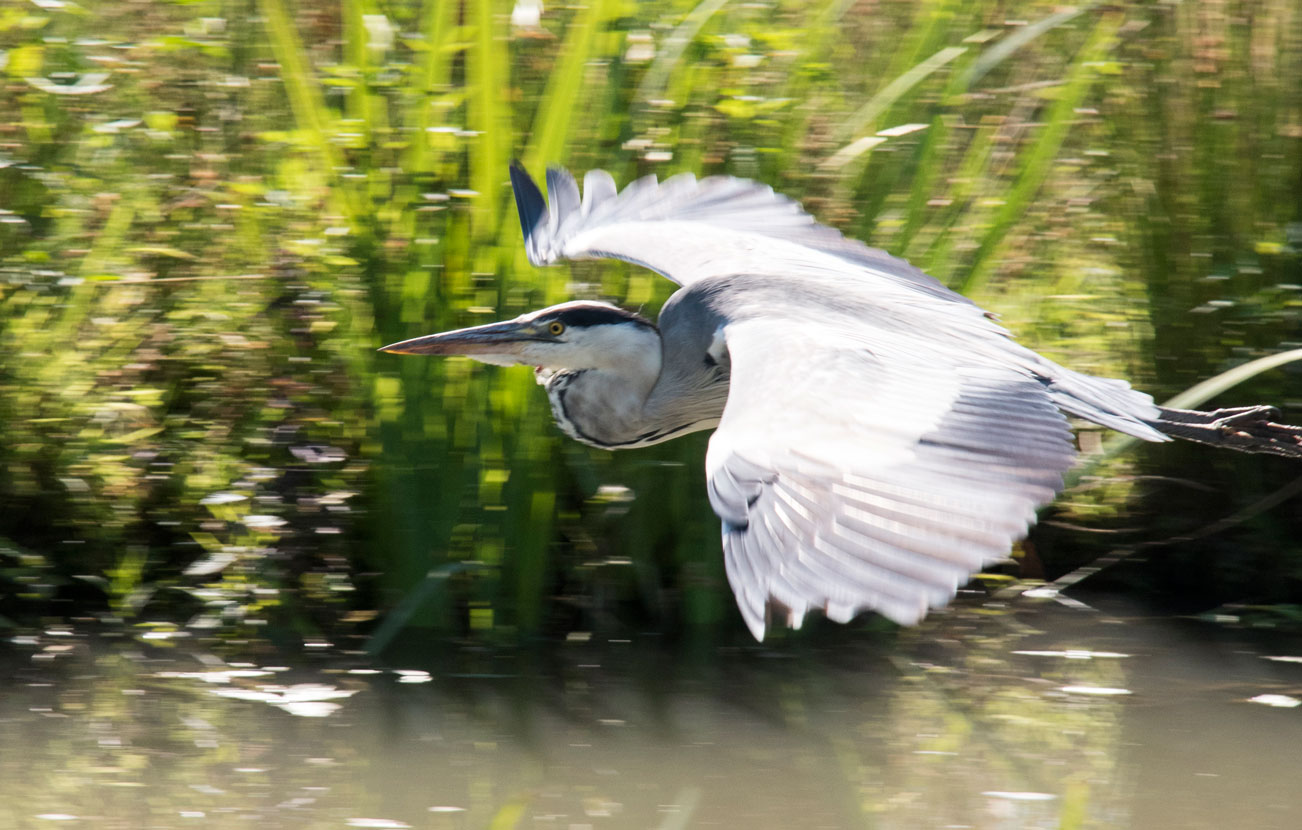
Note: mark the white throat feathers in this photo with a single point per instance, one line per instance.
(601, 399)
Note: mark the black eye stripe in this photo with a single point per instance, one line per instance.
(595, 316)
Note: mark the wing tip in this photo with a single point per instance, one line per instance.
(529, 201)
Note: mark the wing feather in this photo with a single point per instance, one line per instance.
(844, 519)
(666, 226)
(563, 212)
(882, 440)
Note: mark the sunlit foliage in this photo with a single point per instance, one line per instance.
(211, 212)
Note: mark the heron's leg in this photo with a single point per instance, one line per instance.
(1244, 428)
(1226, 417)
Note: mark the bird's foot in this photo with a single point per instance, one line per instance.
(1245, 428)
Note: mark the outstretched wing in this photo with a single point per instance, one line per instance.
(856, 472)
(882, 438)
(688, 229)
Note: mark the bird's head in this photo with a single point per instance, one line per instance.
(575, 335)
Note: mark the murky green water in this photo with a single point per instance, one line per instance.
(1039, 717)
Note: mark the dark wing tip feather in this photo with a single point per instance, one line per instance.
(529, 201)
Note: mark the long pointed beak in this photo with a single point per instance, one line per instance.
(496, 339)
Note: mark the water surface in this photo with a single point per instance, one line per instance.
(1037, 716)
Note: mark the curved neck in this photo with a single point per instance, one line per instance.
(634, 399)
(603, 404)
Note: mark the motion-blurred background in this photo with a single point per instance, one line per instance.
(213, 212)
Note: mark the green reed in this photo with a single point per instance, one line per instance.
(251, 245)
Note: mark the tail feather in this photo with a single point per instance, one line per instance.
(1105, 401)
(1113, 404)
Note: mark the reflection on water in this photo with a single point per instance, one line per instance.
(1062, 718)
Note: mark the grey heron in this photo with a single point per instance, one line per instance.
(878, 438)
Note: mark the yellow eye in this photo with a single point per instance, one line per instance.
(555, 327)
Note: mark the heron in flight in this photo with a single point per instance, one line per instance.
(877, 439)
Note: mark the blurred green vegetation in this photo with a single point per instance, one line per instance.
(212, 211)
